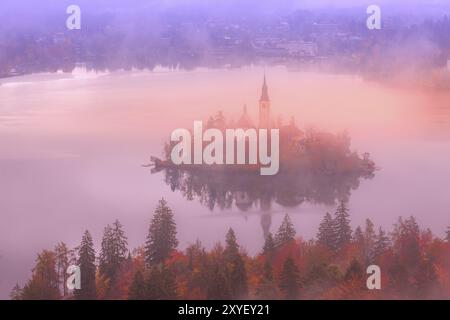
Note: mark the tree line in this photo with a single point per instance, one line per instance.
(414, 263)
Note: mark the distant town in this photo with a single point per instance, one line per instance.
(336, 41)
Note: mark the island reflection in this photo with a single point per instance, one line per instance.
(315, 167)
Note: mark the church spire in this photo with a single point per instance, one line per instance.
(264, 106)
(265, 91)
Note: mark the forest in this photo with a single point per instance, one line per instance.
(415, 264)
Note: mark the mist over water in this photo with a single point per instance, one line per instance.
(72, 146)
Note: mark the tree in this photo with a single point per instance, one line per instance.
(236, 267)
(43, 284)
(267, 289)
(161, 238)
(382, 243)
(86, 263)
(289, 280)
(354, 271)
(113, 250)
(406, 237)
(369, 242)
(62, 254)
(269, 245)
(161, 284)
(285, 233)
(326, 235)
(137, 289)
(16, 293)
(447, 237)
(342, 228)
(358, 236)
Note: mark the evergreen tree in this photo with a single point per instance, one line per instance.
(267, 290)
(369, 242)
(16, 293)
(161, 284)
(218, 287)
(86, 263)
(137, 290)
(382, 243)
(342, 228)
(406, 237)
(236, 267)
(289, 281)
(286, 232)
(113, 251)
(62, 254)
(269, 245)
(358, 236)
(161, 239)
(326, 235)
(447, 237)
(43, 284)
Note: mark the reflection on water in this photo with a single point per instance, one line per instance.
(316, 167)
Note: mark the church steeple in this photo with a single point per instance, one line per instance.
(264, 106)
(264, 91)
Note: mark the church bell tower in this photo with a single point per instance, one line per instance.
(264, 107)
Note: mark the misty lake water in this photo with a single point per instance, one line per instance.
(72, 149)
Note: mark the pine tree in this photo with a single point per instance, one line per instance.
(358, 236)
(16, 293)
(62, 254)
(236, 267)
(342, 227)
(43, 284)
(269, 245)
(326, 235)
(161, 284)
(113, 251)
(267, 289)
(86, 263)
(286, 233)
(382, 243)
(447, 237)
(161, 238)
(369, 242)
(137, 290)
(289, 280)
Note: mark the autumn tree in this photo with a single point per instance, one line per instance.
(354, 271)
(289, 280)
(286, 232)
(161, 238)
(326, 235)
(62, 255)
(342, 229)
(86, 263)
(236, 267)
(43, 284)
(113, 251)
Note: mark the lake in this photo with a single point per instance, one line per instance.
(72, 148)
